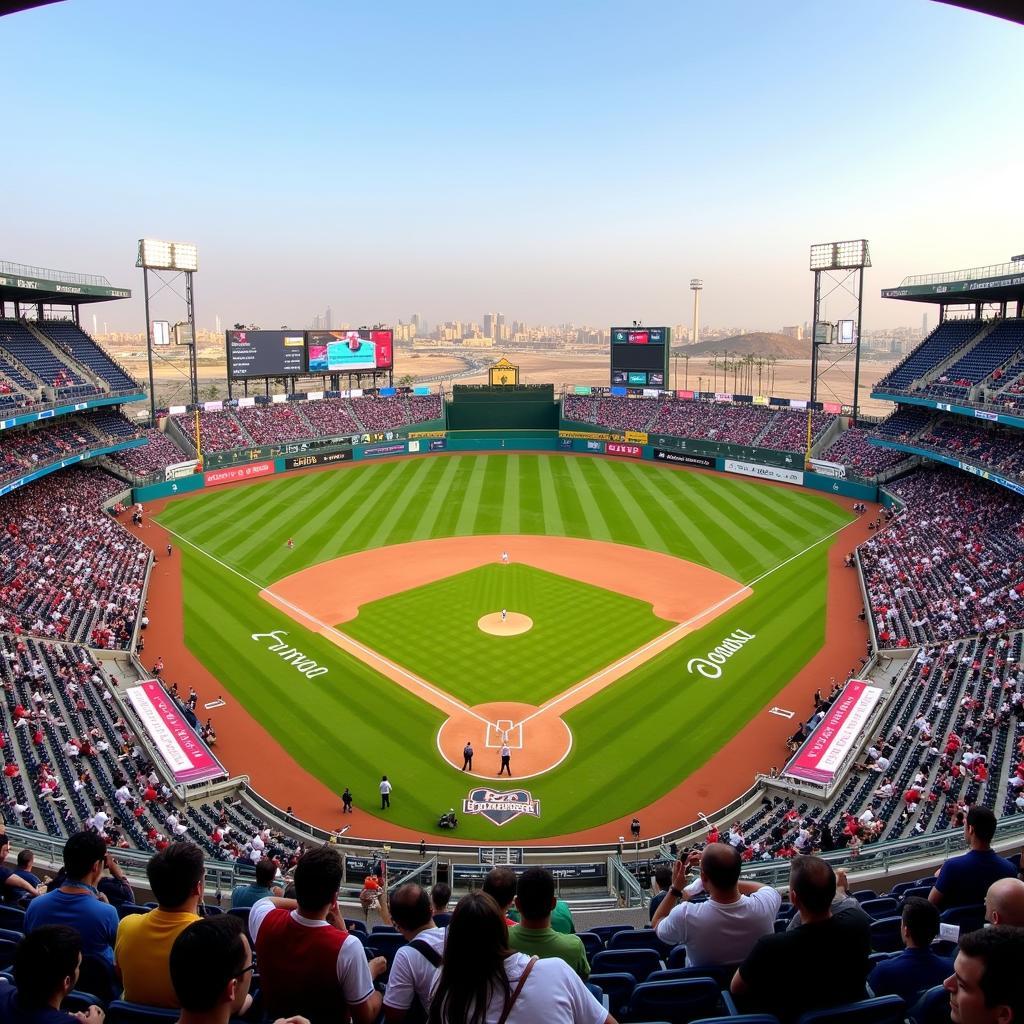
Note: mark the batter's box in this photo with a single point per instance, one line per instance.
(504, 730)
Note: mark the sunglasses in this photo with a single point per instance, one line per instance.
(245, 970)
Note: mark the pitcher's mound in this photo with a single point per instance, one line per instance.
(513, 625)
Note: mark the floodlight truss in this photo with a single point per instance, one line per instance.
(838, 269)
(852, 255)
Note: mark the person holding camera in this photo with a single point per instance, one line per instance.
(724, 928)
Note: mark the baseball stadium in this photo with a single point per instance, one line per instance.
(445, 627)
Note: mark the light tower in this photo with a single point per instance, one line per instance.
(696, 286)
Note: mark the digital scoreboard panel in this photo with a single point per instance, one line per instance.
(639, 356)
(266, 353)
(350, 351)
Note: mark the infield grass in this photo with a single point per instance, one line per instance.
(352, 725)
(577, 629)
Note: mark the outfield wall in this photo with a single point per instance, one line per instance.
(438, 442)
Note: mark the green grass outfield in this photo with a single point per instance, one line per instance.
(350, 726)
(433, 631)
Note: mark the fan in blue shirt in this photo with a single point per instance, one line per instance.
(917, 968)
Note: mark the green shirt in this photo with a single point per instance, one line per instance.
(561, 917)
(547, 943)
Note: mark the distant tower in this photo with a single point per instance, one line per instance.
(924, 325)
(95, 328)
(216, 329)
(489, 319)
(328, 318)
(696, 286)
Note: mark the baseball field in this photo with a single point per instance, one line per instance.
(650, 614)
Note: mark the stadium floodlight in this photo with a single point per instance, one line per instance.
(851, 255)
(158, 255)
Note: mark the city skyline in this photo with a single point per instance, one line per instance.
(595, 164)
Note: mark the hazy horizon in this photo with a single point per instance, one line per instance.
(578, 164)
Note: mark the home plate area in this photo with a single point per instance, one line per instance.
(537, 739)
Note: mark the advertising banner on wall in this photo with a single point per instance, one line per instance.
(185, 754)
(250, 471)
(632, 451)
(824, 751)
(663, 455)
(789, 476)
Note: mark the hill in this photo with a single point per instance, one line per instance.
(758, 344)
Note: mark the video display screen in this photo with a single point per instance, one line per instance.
(349, 351)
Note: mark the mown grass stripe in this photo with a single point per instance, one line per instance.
(400, 502)
(470, 500)
(621, 480)
(594, 519)
(439, 495)
(510, 499)
(551, 508)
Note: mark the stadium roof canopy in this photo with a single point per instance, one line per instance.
(1000, 283)
(1011, 10)
(32, 285)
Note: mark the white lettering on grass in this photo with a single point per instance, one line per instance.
(307, 666)
(710, 667)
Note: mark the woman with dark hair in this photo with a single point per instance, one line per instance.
(482, 981)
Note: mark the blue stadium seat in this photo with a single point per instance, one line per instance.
(8, 949)
(243, 914)
(884, 906)
(640, 938)
(932, 1007)
(617, 986)
(11, 917)
(357, 926)
(79, 1000)
(886, 936)
(740, 1018)
(591, 943)
(679, 1001)
(638, 962)
(121, 1012)
(677, 958)
(864, 894)
(967, 919)
(387, 944)
(883, 1010)
(128, 909)
(606, 931)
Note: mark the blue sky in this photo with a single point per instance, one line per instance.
(558, 162)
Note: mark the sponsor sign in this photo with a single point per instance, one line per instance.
(723, 396)
(565, 443)
(426, 433)
(983, 414)
(593, 435)
(184, 753)
(824, 751)
(304, 461)
(414, 446)
(789, 476)
(664, 455)
(501, 807)
(631, 451)
(686, 395)
(438, 444)
(176, 470)
(594, 446)
(825, 468)
(384, 449)
(251, 471)
(710, 666)
(636, 436)
(832, 407)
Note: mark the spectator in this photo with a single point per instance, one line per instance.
(414, 966)
(843, 905)
(663, 880)
(309, 964)
(26, 862)
(482, 981)
(440, 897)
(963, 881)
(1004, 902)
(724, 928)
(246, 895)
(46, 965)
(535, 900)
(211, 966)
(77, 902)
(500, 883)
(985, 987)
(917, 968)
(821, 964)
(143, 950)
(14, 882)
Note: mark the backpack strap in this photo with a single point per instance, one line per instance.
(427, 951)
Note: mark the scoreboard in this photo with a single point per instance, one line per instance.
(295, 353)
(639, 356)
(266, 353)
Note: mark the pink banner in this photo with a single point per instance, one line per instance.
(185, 754)
(235, 473)
(824, 751)
(633, 451)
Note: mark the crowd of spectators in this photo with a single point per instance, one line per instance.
(218, 431)
(155, 456)
(950, 565)
(995, 448)
(268, 424)
(852, 448)
(330, 417)
(626, 413)
(788, 429)
(67, 569)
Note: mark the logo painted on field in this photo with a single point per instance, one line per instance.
(303, 665)
(503, 807)
(710, 667)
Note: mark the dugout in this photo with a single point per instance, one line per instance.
(502, 407)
